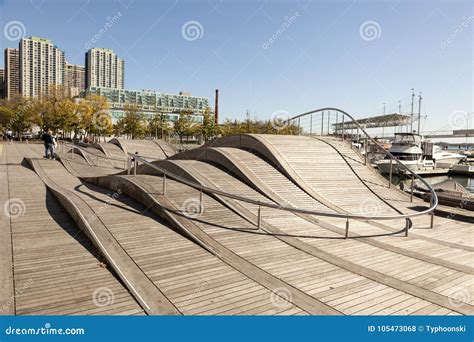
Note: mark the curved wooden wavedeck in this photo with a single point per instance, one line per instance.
(169, 248)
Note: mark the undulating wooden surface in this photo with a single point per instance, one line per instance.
(56, 269)
(195, 281)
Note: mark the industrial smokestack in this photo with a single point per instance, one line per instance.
(216, 108)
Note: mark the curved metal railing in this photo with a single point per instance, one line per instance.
(96, 157)
(136, 158)
(434, 197)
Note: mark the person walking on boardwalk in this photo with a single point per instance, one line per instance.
(48, 140)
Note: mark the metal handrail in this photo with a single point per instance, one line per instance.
(434, 197)
(260, 204)
(407, 217)
(265, 204)
(99, 156)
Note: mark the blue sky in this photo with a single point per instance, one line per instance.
(320, 57)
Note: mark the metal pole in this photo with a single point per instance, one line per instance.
(259, 219)
(322, 123)
(432, 213)
(129, 164)
(419, 113)
(412, 185)
(412, 103)
(347, 229)
(311, 124)
(329, 117)
(135, 164)
(164, 184)
(365, 150)
(390, 181)
(407, 226)
(72, 152)
(299, 126)
(342, 127)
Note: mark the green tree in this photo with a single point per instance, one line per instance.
(208, 127)
(182, 127)
(133, 122)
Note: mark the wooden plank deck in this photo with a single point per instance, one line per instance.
(300, 270)
(353, 251)
(383, 275)
(192, 279)
(56, 269)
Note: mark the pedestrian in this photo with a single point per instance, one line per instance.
(48, 141)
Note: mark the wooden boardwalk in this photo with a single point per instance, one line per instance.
(216, 261)
(193, 280)
(56, 270)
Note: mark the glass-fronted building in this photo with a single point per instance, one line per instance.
(152, 102)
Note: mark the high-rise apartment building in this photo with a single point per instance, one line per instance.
(12, 73)
(2, 83)
(104, 69)
(75, 79)
(42, 66)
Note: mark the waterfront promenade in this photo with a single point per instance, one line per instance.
(82, 235)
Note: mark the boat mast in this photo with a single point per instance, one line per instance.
(412, 102)
(419, 112)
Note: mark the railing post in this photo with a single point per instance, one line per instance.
(432, 212)
(135, 164)
(407, 226)
(366, 142)
(390, 179)
(311, 124)
(164, 184)
(259, 217)
(347, 229)
(72, 152)
(201, 206)
(412, 186)
(329, 118)
(342, 133)
(322, 123)
(129, 164)
(299, 126)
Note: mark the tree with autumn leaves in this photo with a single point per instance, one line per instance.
(58, 112)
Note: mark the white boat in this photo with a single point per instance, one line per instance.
(445, 159)
(406, 147)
